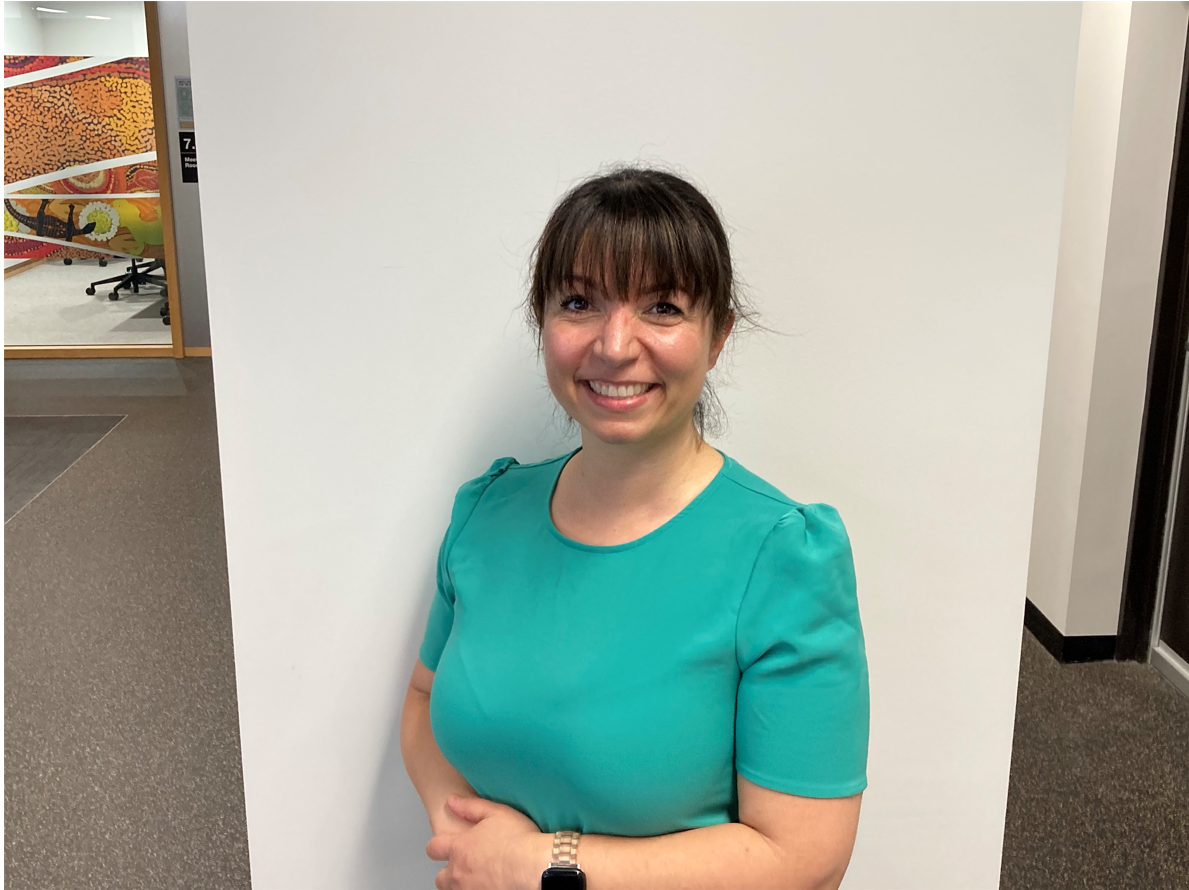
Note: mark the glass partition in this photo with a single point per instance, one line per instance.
(83, 237)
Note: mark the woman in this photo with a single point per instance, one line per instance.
(638, 649)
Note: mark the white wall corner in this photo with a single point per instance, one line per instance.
(1093, 140)
(1128, 89)
(1131, 273)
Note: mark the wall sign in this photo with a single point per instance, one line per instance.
(181, 86)
(189, 156)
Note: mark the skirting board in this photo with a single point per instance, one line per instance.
(1067, 650)
(161, 350)
(149, 350)
(18, 268)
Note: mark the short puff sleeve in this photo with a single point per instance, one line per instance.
(803, 707)
(441, 612)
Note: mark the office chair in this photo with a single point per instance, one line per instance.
(133, 278)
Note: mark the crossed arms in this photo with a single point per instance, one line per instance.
(781, 842)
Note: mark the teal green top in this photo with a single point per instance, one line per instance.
(617, 690)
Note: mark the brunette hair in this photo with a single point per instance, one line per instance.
(640, 225)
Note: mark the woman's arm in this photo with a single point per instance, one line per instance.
(782, 842)
(432, 775)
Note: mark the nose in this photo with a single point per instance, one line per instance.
(617, 338)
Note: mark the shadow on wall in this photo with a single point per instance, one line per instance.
(519, 420)
(392, 848)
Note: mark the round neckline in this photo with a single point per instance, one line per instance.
(643, 539)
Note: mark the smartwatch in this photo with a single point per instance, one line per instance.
(563, 872)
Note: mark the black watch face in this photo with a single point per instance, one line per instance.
(563, 879)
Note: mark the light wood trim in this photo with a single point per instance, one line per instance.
(23, 267)
(148, 350)
(197, 351)
(164, 182)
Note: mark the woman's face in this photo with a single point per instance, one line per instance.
(628, 372)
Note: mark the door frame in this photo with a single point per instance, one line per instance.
(176, 347)
(1158, 449)
(1161, 655)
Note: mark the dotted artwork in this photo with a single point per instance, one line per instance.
(128, 226)
(14, 65)
(96, 114)
(140, 177)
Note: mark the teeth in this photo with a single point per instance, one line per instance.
(619, 392)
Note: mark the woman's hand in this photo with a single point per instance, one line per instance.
(501, 850)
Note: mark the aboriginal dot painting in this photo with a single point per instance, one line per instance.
(80, 158)
(14, 65)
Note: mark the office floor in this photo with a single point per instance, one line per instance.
(1099, 788)
(48, 305)
(122, 765)
(121, 736)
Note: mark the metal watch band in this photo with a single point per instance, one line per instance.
(565, 849)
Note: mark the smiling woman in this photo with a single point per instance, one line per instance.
(640, 647)
(644, 233)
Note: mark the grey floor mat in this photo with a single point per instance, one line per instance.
(39, 449)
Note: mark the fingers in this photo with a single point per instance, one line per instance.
(438, 848)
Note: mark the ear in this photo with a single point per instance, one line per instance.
(721, 340)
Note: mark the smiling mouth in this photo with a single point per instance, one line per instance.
(619, 391)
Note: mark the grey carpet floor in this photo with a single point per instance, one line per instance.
(74, 379)
(1099, 788)
(122, 763)
(40, 448)
(121, 734)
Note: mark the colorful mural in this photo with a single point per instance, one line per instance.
(127, 226)
(80, 169)
(14, 65)
(96, 114)
(139, 177)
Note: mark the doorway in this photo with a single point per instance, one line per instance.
(1169, 644)
(89, 255)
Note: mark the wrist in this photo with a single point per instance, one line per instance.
(537, 853)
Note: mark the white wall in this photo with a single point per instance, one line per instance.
(187, 212)
(28, 32)
(22, 30)
(1116, 196)
(893, 177)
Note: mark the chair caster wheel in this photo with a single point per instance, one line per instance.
(113, 296)
(164, 311)
(102, 262)
(66, 261)
(90, 292)
(165, 320)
